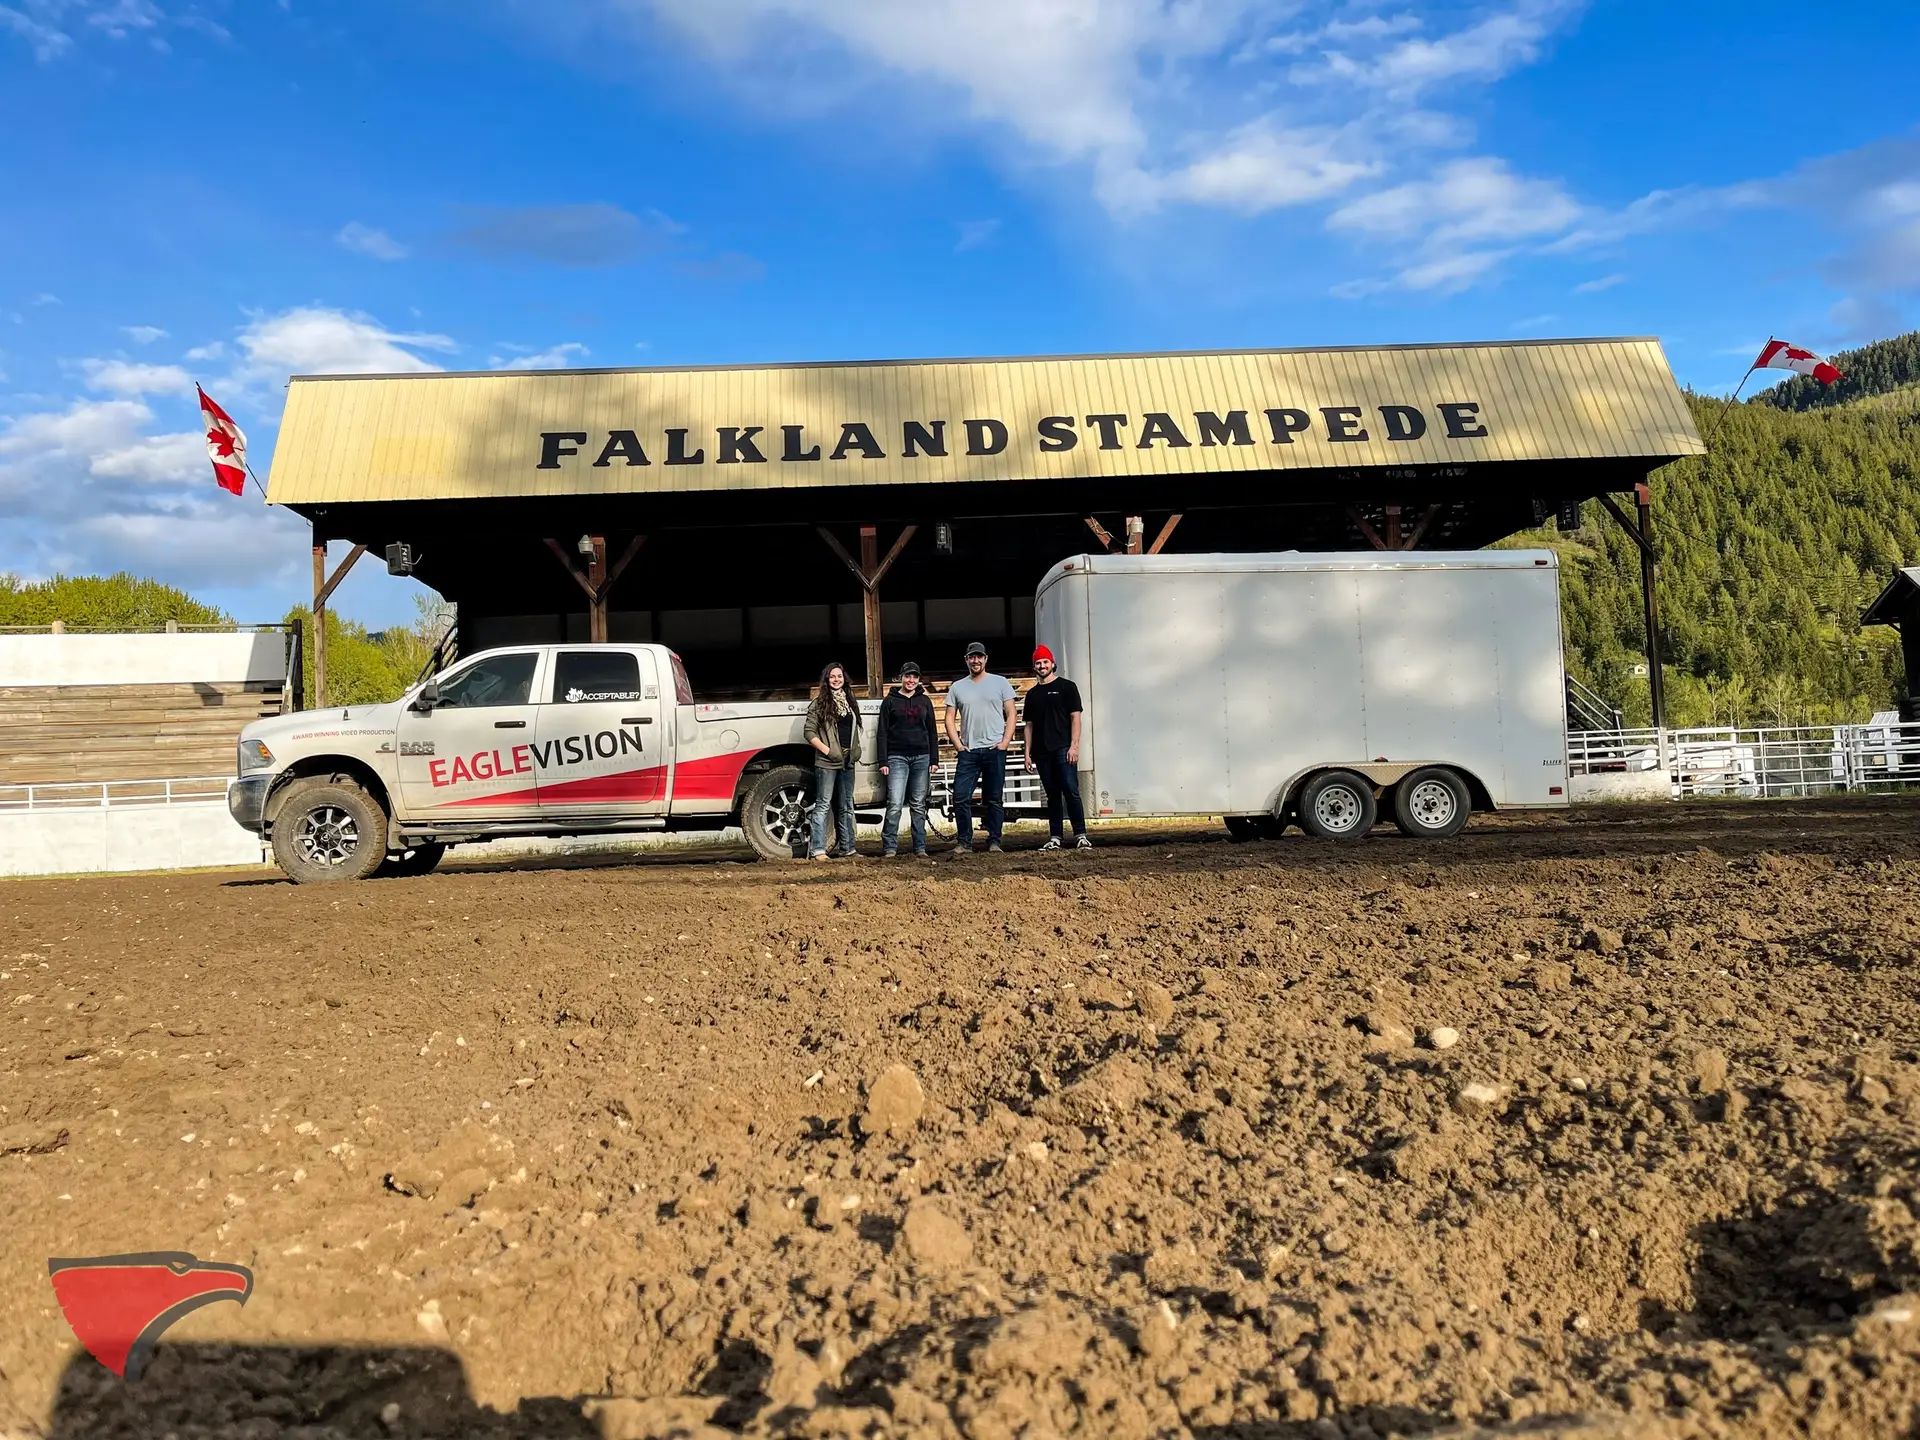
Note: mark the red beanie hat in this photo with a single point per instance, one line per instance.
(1040, 652)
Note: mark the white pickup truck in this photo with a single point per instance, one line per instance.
(548, 740)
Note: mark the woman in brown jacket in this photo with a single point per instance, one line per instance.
(833, 729)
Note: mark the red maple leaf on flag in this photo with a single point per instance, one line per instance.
(226, 446)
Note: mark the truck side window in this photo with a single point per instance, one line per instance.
(497, 680)
(682, 687)
(583, 676)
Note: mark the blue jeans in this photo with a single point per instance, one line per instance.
(906, 783)
(988, 767)
(833, 791)
(1061, 778)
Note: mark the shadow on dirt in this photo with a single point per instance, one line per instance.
(319, 1393)
(1810, 1261)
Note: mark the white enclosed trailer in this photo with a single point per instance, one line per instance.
(1322, 689)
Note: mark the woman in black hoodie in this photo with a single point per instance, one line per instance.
(908, 740)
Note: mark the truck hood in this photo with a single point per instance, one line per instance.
(323, 724)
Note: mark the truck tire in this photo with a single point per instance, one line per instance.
(328, 830)
(1431, 804)
(420, 860)
(775, 813)
(1338, 805)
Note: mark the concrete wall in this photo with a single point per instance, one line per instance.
(122, 837)
(177, 659)
(1635, 785)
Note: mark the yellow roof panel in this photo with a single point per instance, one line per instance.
(594, 432)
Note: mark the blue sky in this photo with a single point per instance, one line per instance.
(231, 191)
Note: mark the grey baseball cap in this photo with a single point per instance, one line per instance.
(910, 668)
(976, 648)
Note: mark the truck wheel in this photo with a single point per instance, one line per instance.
(775, 813)
(1338, 805)
(420, 860)
(1431, 804)
(329, 830)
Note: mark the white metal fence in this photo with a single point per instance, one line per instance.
(1755, 763)
(105, 794)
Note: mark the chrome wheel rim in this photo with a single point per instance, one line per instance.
(784, 814)
(327, 836)
(1336, 809)
(1433, 805)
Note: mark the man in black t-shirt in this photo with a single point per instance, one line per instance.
(1053, 748)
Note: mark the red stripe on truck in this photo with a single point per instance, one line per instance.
(715, 777)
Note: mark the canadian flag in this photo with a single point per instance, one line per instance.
(226, 446)
(1779, 355)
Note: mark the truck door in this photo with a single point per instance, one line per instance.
(600, 744)
(471, 754)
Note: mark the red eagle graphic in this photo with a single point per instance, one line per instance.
(120, 1305)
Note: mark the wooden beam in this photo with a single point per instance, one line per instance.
(1166, 534)
(597, 591)
(1100, 534)
(1420, 530)
(566, 564)
(1612, 507)
(1136, 534)
(894, 553)
(841, 550)
(1393, 527)
(1373, 537)
(326, 590)
(626, 559)
(319, 623)
(870, 610)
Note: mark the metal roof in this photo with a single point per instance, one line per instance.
(656, 431)
(1886, 607)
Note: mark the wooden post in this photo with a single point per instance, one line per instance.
(1100, 534)
(1393, 527)
(1360, 523)
(323, 586)
(319, 623)
(1166, 534)
(1642, 535)
(599, 581)
(870, 570)
(1650, 603)
(1136, 534)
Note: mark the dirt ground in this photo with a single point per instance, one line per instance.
(1598, 1125)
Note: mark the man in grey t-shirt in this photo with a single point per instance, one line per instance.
(980, 722)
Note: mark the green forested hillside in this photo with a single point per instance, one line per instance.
(100, 602)
(1770, 548)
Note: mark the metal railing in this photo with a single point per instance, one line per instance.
(106, 794)
(1588, 709)
(1760, 763)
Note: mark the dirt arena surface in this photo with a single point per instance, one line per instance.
(1595, 1125)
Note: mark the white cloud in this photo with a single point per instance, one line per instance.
(557, 357)
(123, 377)
(315, 340)
(143, 334)
(1482, 52)
(365, 240)
(213, 351)
(1594, 287)
(155, 459)
(1260, 167)
(47, 39)
(974, 233)
(85, 429)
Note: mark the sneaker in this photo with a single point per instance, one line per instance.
(922, 854)
(818, 855)
(963, 852)
(1083, 843)
(995, 850)
(1053, 843)
(889, 854)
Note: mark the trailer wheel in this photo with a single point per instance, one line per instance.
(328, 830)
(1431, 804)
(420, 860)
(1338, 805)
(775, 813)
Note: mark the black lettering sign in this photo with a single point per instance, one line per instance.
(622, 445)
(1159, 426)
(555, 443)
(1343, 422)
(918, 439)
(677, 450)
(856, 436)
(1233, 430)
(1463, 420)
(1109, 428)
(986, 437)
(736, 445)
(1403, 422)
(1287, 424)
(1057, 433)
(795, 436)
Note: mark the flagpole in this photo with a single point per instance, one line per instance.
(1734, 398)
(263, 489)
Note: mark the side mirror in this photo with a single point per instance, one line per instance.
(428, 697)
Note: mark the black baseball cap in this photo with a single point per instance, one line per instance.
(910, 668)
(976, 648)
